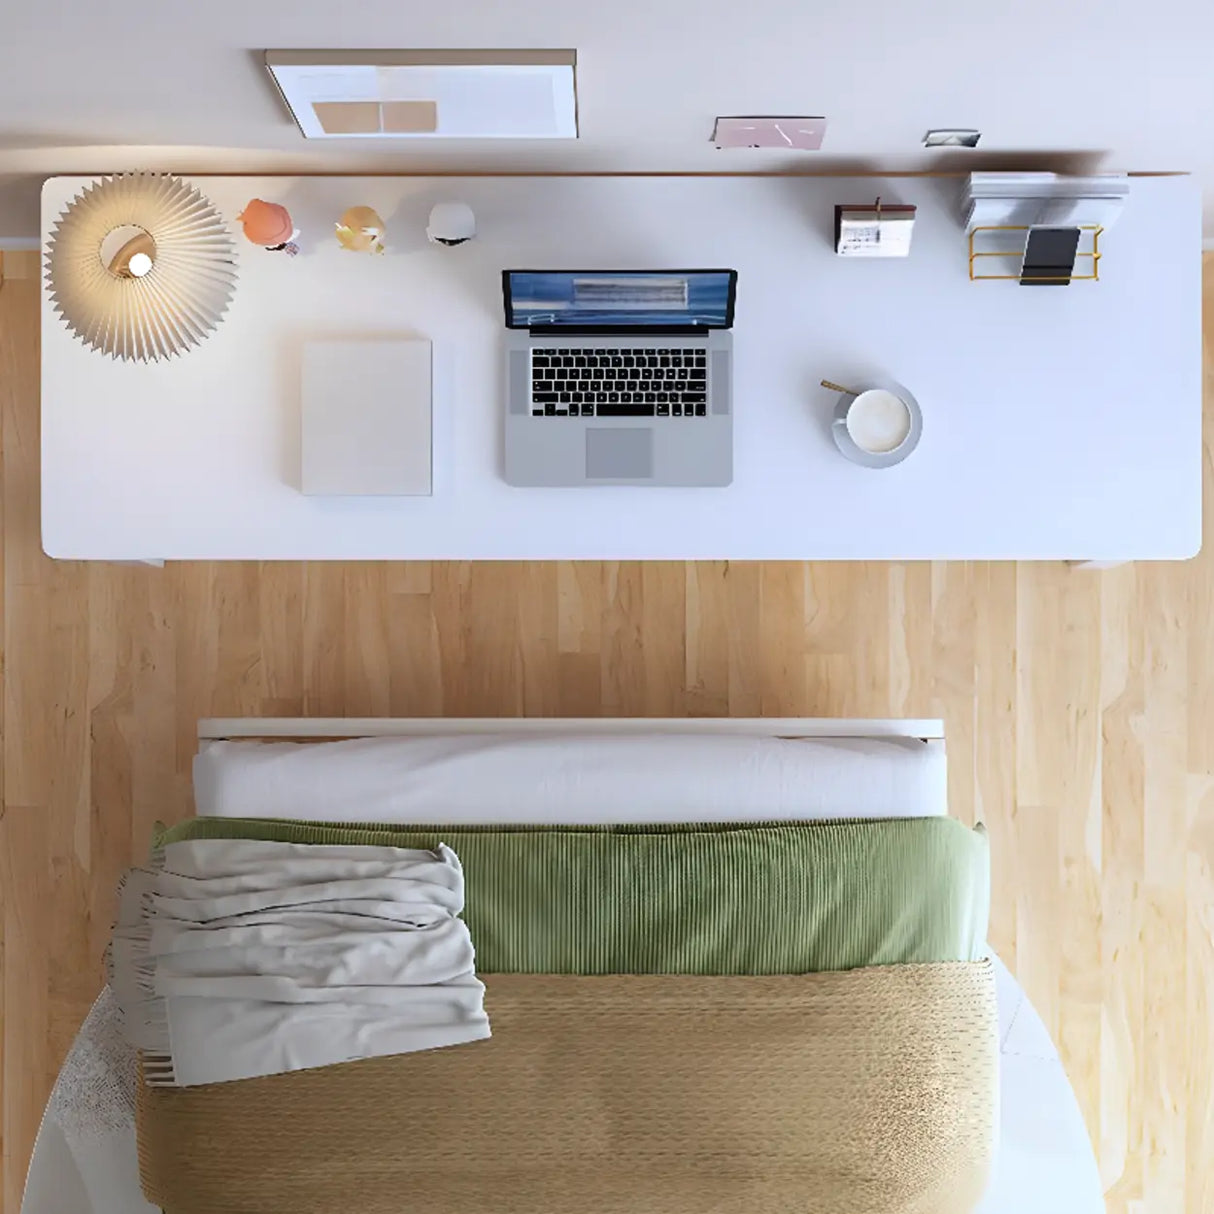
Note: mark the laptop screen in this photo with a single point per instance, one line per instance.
(619, 299)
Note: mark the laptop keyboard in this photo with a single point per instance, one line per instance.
(626, 382)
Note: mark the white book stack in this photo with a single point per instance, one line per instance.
(1043, 199)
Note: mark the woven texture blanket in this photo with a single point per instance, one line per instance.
(866, 1092)
(756, 899)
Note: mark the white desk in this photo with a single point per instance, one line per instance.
(1058, 422)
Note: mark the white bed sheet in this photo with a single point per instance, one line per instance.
(572, 779)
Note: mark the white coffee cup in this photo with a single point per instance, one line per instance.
(879, 421)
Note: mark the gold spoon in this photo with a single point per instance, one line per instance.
(826, 383)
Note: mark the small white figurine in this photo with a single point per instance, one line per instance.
(451, 223)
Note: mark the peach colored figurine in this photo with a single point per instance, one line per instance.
(269, 225)
(361, 230)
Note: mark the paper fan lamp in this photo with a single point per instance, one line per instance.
(141, 266)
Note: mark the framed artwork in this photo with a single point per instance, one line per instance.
(464, 94)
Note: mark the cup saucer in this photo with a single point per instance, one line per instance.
(871, 459)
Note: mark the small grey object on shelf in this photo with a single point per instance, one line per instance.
(871, 459)
(951, 137)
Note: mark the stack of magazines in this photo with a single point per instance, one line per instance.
(1043, 199)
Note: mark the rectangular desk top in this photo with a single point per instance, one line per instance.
(1057, 422)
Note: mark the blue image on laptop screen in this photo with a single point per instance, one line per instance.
(642, 298)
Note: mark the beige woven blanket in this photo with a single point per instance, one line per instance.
(859, 1092)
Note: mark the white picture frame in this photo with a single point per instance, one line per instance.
(420, 94)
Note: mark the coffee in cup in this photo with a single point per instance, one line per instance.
(878, 421)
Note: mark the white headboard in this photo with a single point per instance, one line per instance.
(303, 728)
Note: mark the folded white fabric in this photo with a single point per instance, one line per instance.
(234, 958)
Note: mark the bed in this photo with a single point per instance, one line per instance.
(579, 772)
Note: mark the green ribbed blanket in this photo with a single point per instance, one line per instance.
(780, 898)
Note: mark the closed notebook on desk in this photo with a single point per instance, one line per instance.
(365, 414)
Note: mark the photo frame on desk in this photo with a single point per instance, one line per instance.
(874, 230)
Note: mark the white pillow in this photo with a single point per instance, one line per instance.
(577, 779)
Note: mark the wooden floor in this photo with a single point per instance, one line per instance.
(1079, 705)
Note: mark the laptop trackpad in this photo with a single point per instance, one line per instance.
(619, 454)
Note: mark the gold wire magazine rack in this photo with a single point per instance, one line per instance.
(997, 258)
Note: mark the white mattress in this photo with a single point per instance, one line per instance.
(572, 779)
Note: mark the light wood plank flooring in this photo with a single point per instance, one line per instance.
(1080, 711)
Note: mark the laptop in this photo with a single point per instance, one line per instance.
(619, 377)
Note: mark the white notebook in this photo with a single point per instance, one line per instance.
(366, 417)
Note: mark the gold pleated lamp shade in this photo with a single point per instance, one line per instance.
(141, 266)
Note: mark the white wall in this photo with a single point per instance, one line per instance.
(86, 85)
